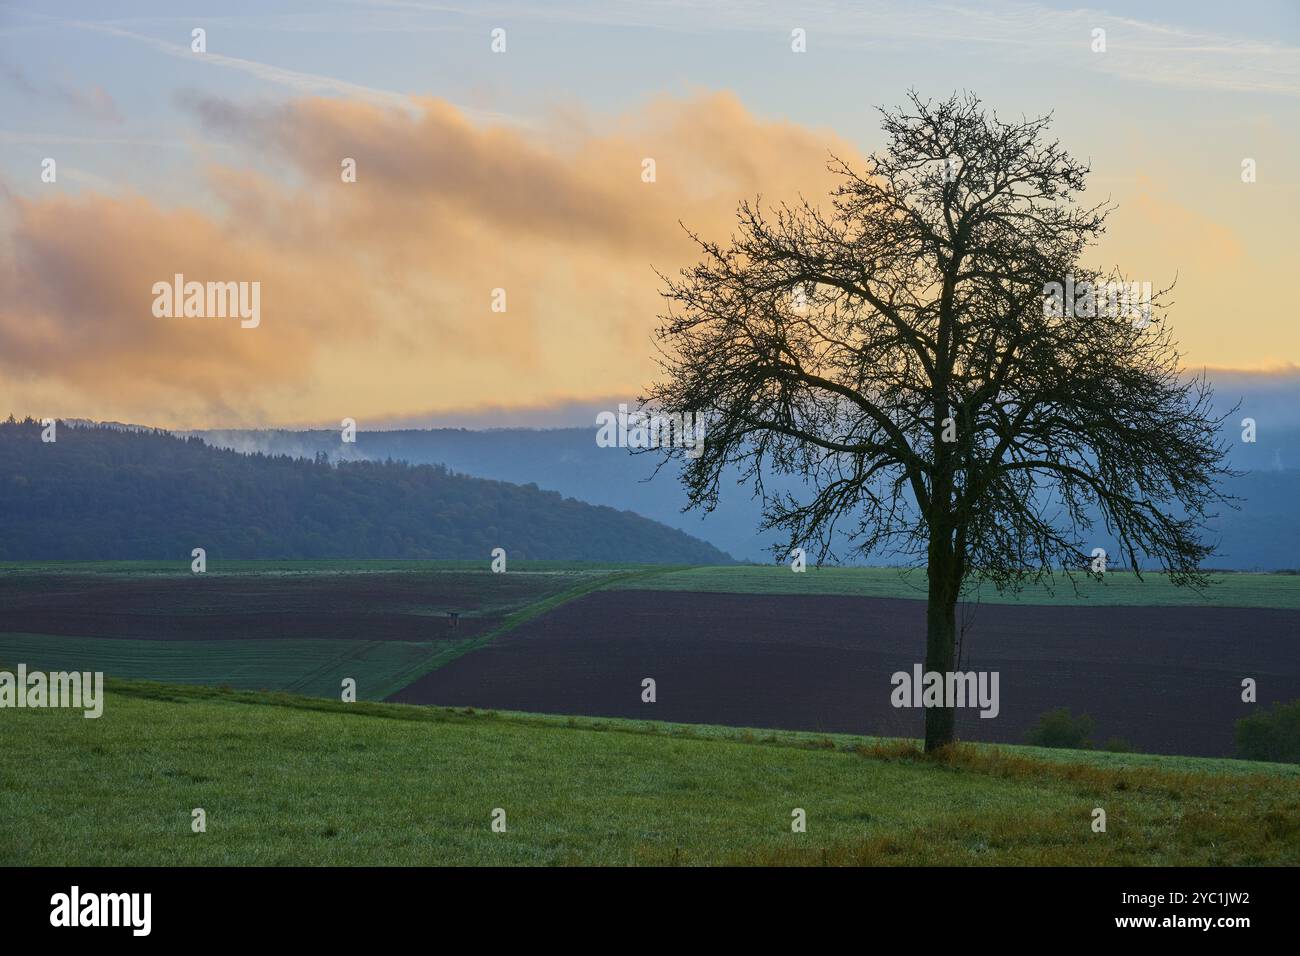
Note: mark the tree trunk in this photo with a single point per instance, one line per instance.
(940, 640)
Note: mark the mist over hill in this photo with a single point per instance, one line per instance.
(1262, 534)
(119, 492)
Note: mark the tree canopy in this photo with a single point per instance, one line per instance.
(910, 350)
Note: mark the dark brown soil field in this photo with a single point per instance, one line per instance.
(371, 606)
(1166, 680)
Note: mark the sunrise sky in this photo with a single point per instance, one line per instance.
(522, 170)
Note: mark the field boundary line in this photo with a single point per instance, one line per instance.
(446, 655)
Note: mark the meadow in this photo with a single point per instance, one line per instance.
(304, 781)
(305, 666)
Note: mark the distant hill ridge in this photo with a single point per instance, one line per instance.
(104, 492)
(1261, 535)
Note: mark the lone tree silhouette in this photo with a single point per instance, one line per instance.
(906, 354)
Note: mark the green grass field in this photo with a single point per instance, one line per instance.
(1118, 588)
(287, 780)
(302, 666)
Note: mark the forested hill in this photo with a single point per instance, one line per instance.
(1259, 535)
(108, 493)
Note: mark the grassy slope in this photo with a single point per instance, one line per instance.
(1117, 589)
(302, 781)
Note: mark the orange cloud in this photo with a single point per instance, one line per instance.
(376, 294)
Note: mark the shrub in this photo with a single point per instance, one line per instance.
(1272, 735)
(1057, 728)
(1118, 745)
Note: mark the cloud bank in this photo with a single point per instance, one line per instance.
(377, 294)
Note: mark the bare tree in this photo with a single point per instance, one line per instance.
(950, 382)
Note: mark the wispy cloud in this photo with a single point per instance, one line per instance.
(45, 139)
(298, 82)
(1138, 50)
(310, 84)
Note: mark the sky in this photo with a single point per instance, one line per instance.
(521, 171)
